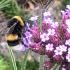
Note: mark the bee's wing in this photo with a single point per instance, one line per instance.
(3, 26)
(4, 29)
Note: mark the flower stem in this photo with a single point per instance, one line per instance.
(12, 58)
(56, 66)
(41, 62)
(24, 62)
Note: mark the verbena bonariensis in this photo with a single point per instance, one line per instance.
(51, 39)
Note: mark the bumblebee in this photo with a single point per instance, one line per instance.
(15, 25)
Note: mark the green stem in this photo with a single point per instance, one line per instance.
(12, 58)
(14, 2)
(41, 62)
(3, 6)
(24, 62)
(6, 2)
(56, 66)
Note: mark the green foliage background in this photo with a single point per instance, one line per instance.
(64, 3)
(11, 8)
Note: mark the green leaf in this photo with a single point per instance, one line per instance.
(24, 62)
(11, 8)
(3, 64)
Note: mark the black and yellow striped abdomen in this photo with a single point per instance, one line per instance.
(15, 33)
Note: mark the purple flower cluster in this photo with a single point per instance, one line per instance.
(65, 27)
(52, 39)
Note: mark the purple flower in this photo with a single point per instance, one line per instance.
(48, 20)
(67, 35)
(48, 64)
(55, 24)
(68, 23)
(51, 31)
(67, 42)
(63, 68)
(57, 58)
(44, 37)
(63, 48)
(68, 57)
(68, 29)
(55, 40)
(28, 34)
(27, 27)
(34, 18)
(52, 39)
(58, 51)
(35, 31)
(68, 6)
(62, 12)
(45, 14)
(49, 47)
(35, 47)
(68, 50)
(44, 26)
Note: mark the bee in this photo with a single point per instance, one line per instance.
(15, 25)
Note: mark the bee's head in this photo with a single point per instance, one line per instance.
(16, 20)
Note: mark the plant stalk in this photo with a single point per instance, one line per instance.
(12, 58)
(24, 62)
(41, 62)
